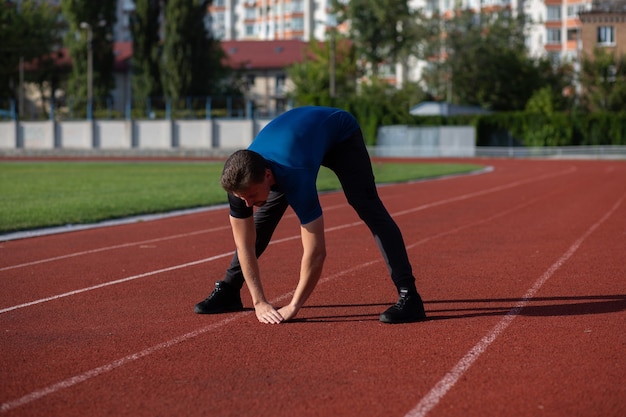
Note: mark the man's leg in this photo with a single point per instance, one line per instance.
(351, 163)
(266, 218)
(226, 295)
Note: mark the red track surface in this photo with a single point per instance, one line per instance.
(522, 270)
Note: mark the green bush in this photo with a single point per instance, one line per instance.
(555, 129)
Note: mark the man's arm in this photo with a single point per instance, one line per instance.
(314, 254)
(244, 234)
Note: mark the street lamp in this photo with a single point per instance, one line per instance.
(85, 25)
(333, 65)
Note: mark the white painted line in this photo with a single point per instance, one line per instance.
(67, 383)
(397, 214)
(183, 212)
(486, 191)
(77, 379)
(116, 222)
(158, 271)
(119, 281)
(427, 403)
(435, 395)
(277, 241)
(35, 395)
(106, 248)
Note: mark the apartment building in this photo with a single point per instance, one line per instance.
(604, 26)
(121, 30)
(554, 30)
(270, 19)
(563, 28)
(559, 29)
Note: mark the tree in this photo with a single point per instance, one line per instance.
(191, 59)
(100, 18)
(481, 59)
(29, 33)
(311, 77)
(380, 103)
(145, 25)
(603, 81)
(384, 31)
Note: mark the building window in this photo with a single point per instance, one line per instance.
(297, 24)
(280, 85)
(573, 10)
(572, 34)
(606, 35)
(554, 13)
(297, 6)
(553, 36)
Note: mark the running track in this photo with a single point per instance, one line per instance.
(522, 269)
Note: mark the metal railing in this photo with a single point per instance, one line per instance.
(150, 108)
(564, 152)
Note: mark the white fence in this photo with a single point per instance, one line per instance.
(224, 134)
(435, 141)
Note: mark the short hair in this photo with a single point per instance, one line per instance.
(242, 169)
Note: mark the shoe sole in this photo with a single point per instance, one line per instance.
(198, 310)
(411, 320)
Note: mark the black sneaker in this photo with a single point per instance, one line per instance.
(224, 298)
(408, 309)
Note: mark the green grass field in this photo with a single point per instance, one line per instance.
(44, 194)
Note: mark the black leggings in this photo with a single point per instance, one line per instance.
(350, 161)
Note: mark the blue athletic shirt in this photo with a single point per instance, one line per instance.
(294, 145)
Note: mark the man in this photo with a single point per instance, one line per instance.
(279, 169)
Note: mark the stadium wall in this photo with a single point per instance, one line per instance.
(223, 134)
(435, 141)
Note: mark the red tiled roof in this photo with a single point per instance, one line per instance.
(239, 54)
(122, 53)
(263, 54)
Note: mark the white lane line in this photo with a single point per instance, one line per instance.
(400, 213)
(277, 241)
(130, 244)
(120, 246)
(106, 223)
(435, 395)
(158, 271)
(487, 191)
(423, 407)
(67, 383)
(118, 281)
(77, 379)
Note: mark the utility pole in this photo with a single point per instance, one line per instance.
(87, 26)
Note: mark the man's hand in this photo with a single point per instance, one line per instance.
(267, 314)
(288, 312)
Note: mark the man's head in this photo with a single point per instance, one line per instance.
(247, 176)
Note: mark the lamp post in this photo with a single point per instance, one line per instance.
(85, 25)
(332, 62)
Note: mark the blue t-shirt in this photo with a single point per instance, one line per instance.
(294, 145)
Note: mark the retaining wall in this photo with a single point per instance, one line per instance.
(125, 134)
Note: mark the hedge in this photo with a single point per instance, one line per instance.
(556, 129)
